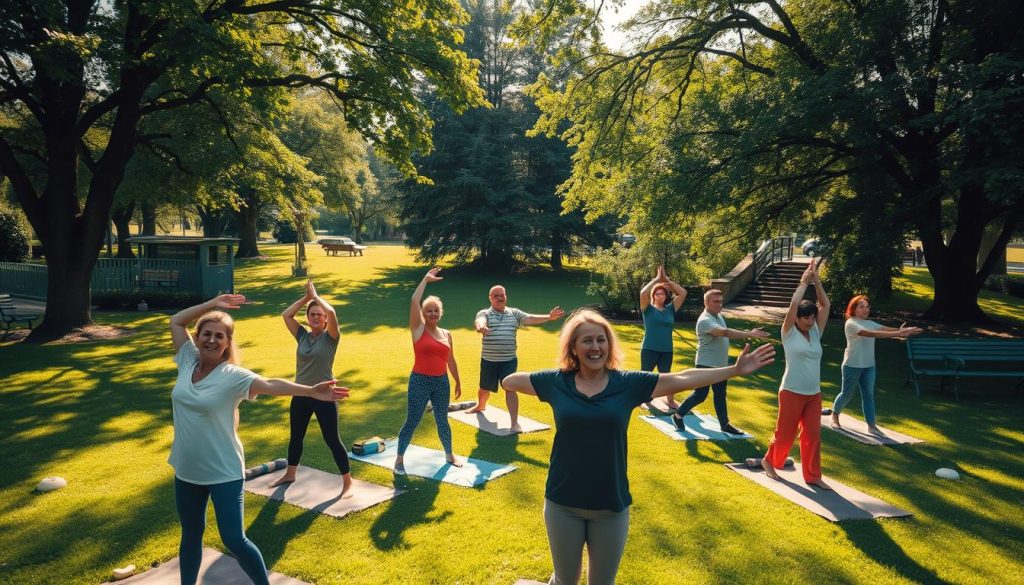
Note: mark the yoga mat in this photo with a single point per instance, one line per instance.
(857, 430)
(844, 503)
(430, 463)
(698, 427)
(217, 569)
(497, 422)
(318, 491)
(529, 582)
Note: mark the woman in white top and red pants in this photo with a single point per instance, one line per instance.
(800, 391)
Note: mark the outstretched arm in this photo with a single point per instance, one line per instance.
(326, 391)
(747, 363)
(891, 332)
(182, 319)
(555, 313)
(519, 382)
(731, 333)
(798, 295)
(415, 311)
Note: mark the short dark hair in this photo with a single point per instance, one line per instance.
(806, 308)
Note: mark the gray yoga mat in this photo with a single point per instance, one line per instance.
(431, 464)
(843, 503)
(529, 582)
(217, 569)
(699, 426)
(496, 421)
(857, 430)
(318, 491)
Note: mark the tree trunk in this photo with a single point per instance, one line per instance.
(556, 250)
(148, 218)
(122, 216)
(247, 232)
(215, 221)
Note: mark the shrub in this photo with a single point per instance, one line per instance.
(14, 236)
(156, 299)
(1006, 284)
(284, 232)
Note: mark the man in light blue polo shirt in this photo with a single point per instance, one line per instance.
(713, 352)
(498, 324)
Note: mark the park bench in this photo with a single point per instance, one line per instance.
(158, 278)
(333, 246)
(952, 359)
(10, 315)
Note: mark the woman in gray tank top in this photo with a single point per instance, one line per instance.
(314, 362)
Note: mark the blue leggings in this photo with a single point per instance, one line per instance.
(854, 378)
(422, 388)
(191, 500)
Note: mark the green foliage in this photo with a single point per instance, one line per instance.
(15, 244)
(1010, 284)
(155, 299)
(284, 232)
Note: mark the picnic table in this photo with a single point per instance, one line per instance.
(335, 245)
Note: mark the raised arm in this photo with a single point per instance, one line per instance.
(645, 291)
(293, 309)
(824, 306)
(555, 313)
(747, 363)
(678, 291)
(798, 295)
(326, 390)
(182, 319)
(519, 382)
(415, 310)
(453, 367)
(332, 315)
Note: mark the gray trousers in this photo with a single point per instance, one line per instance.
(603, 531)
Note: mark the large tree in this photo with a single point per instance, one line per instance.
(67, 66)
(909, 114)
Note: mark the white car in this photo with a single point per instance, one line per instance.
(810, 247)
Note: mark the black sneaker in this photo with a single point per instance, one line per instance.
(728, 428)
(678, 421)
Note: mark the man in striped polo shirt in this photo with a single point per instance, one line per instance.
(498, 324)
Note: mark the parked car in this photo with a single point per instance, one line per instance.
(810, 247)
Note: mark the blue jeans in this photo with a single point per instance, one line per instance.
(854, 378)
(191, 500)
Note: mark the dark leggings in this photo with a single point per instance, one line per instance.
(701, 394)
(304, 407)
(191, 500)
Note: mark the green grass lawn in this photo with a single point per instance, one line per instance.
(99, 415)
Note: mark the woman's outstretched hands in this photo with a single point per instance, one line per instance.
(432, 275)
(229, 301)
(809, 274)
(661, 276)
(751, 361)
(328, 392)
(310, 289)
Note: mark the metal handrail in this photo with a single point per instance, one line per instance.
(777, 249)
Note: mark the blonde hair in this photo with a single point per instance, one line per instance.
(567, 359)
(232, 354)
(433, 300)
(714, 292)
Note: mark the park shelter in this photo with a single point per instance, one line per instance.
(186, 264)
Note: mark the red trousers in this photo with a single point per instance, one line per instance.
(796, 411)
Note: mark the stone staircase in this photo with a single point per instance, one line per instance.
(775, 286)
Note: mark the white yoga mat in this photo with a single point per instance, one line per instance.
(842, 503)
(217, 569)
(496, 421)
(703, 427)
(318, 491)
(857, 430)
(431, 464)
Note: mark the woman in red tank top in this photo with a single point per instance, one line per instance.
(428, 381)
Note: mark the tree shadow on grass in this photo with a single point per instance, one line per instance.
(877, 545)
(407, 511)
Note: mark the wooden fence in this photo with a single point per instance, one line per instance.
(109, 275)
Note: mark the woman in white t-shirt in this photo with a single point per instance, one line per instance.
(206, 454)
(859, 358)
(800, 391)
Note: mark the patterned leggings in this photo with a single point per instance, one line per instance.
(422, 388)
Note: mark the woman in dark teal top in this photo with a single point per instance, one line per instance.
(659, 318)
(587, 495)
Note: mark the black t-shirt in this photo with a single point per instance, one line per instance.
(588, 458)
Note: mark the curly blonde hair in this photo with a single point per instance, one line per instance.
(567, 359)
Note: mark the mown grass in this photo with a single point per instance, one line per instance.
(99, 415)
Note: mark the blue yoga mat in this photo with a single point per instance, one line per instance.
(699, 426)
(431, 464)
